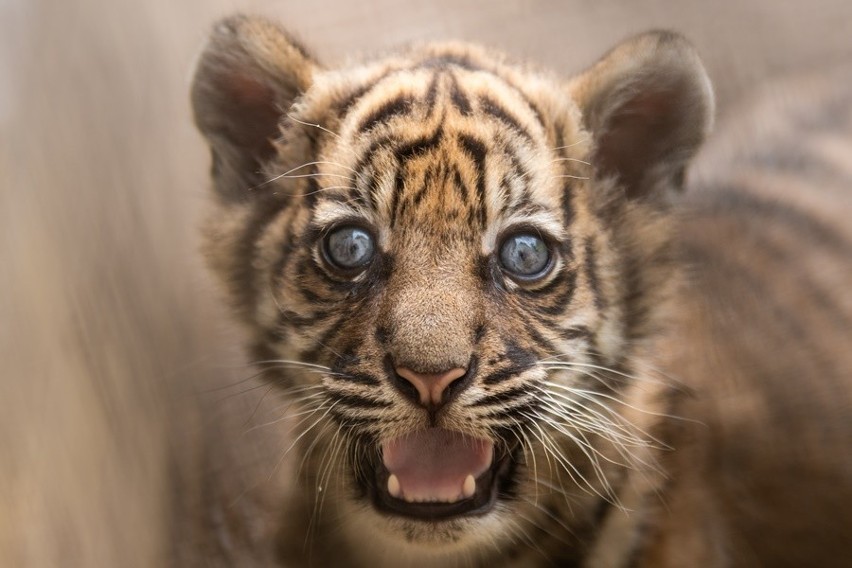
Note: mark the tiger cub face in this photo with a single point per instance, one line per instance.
(455, 260)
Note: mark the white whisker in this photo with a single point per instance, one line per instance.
(572, 145)
(569, 176)
(571, 160)
(323, 128)
(306, 431)
(290, 175)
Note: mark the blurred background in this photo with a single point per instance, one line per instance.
(119, 371)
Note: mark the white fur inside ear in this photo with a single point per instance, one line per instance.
(649, 106)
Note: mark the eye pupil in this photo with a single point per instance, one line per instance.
(349, 247)
(524, 255)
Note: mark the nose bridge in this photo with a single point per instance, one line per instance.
(431, 313)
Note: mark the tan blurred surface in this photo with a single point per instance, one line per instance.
(108, 326)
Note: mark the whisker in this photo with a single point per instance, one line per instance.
(593, 395)
(572, 145)
(257, 406)
(286, 416)
(585, 447)
(310, 449)
(526, 538)
(553, 517)
(569, 176)
(615, 428)
(328, 188)
(603, 427)
(619, 421)
(550, 447)
(524, 442)
(571, 160)
(323, 128)
(584, 442)
(232, 385)
(325, 467)
(639, 364)
(576, 364)
(292, 362)
(295, 362)
(303, 434)
(289, 174)
(242, 392)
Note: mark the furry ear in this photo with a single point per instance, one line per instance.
(248, 76)
(648, 104)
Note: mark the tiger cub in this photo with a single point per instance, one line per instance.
(510, 338)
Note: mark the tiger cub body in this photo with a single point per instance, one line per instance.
(510, 339)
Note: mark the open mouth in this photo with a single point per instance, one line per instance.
(437, 474)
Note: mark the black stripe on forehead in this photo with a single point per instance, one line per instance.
(401, 104)
(536, 110)
(390, 108)
(401, 150)
(435, 176)
(492, 108)
(477, 150)
(418, 146)
(405, 152)
(459, 184)
(345, 104)
(519, 171)
(432, 93)
(458, 98)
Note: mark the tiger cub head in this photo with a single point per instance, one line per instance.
(451, 262)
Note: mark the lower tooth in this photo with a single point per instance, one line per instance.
(393, 486)
(469, 487)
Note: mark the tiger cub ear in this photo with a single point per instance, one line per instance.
(648, 105)
(247, 77)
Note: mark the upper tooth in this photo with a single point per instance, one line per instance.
(393, 486)
(469, 486)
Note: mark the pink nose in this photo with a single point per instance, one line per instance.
(431, 387)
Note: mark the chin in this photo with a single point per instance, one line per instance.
(414, 542)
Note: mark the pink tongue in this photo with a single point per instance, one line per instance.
(432, 464)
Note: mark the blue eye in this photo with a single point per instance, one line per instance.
(349, 247)
(524, 255)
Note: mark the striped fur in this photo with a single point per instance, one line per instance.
(439, 153)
